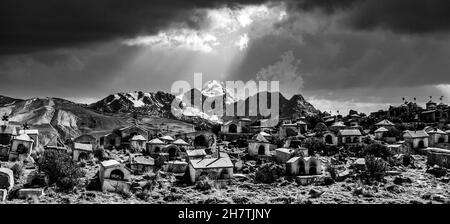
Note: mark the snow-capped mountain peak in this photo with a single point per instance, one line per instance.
(216, 88)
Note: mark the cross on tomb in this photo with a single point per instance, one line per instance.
(25, 126)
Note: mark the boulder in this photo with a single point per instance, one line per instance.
(394, 189)
(359, 164)
(445, 179)
(313, 193)
(437, 171)
(402, 180)
(343, 175)
(326, 181)
(438, 198)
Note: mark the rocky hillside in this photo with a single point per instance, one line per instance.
(159, 103)
(296, 106)
(54, 116)
(153, 104)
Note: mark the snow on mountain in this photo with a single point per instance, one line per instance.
(157, 103)
(216, 88)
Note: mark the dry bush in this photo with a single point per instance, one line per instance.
(375, 168)
(269, 173)
(17, 169)
(60, 169)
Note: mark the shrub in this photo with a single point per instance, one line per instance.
(377, 150)
(159, 161)
(100, 154)
(94, 184)
(393, 132)
(314, 146)
(331, 150)
(17, 169)
(143, 195)
(204, 183)
(355, 150)
(126, 194)
(60, 169)
(375, 168)
(269, 173)
(332, 171)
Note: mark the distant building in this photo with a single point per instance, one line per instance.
(337, 126)
(235, 126)
(417, 139)
(435, 113)
(137, 143)
(437, 156)
(34, 134)
(385, 124)
(140, 164)
(6, 134)
(195, 154)
(379, 133)
(214, 168)
(292, 129)
(283, 155)
(21, 147)
(431, 105)
(330, 138)
(110, 140)
(121, 137)
(81, 151)
(437, 136)
(260, 146)
(87, 139)
(155, 146)
(304, 166)
(349, 136)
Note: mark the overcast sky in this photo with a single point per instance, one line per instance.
(360, 54)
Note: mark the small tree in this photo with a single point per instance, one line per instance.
(60, 169)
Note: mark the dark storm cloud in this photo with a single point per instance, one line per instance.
(329, 6)
(63, 73)
(28, 26)
(351, 60)
(412, 16)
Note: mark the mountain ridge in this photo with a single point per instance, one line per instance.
(67, 119)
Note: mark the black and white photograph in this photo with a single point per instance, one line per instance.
(230, 102)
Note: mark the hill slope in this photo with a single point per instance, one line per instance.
(54, 116)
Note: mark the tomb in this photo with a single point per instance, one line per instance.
(82, 152)
(114, 176)
(21, 147)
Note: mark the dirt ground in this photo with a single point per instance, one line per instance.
(423, 188)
